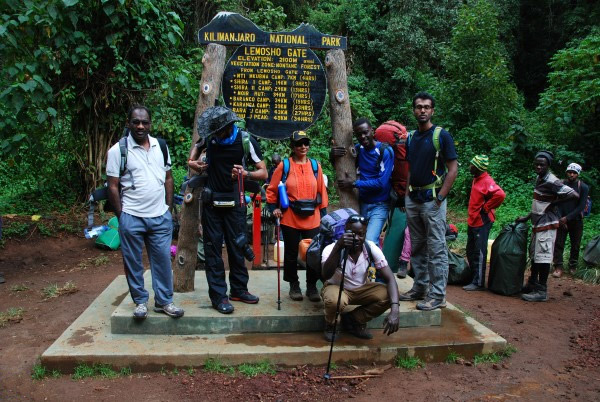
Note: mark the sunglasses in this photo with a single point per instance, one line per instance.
(302, 143)
(357, 218)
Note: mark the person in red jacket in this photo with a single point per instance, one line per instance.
(486, 196)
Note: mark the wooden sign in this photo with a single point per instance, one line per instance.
(276, 90)
(233, 29)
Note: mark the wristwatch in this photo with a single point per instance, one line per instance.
(440, 198)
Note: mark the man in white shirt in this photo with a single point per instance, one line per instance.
(359, 286)
(141, 197)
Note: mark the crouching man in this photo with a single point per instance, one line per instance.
(361, 260)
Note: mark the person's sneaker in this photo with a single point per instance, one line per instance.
(244, 297)
(224, 307)
(557, 273)
(411, 295)
(141, 311)
(402, 269)
(169, 309)
(431, 304)
(329, 334)
(535, 296)
(354, 327)
(473, 287)
(312, 293)
(295, 291)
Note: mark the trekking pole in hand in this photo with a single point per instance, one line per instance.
(345, 254)
(278, 228)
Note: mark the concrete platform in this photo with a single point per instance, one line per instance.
(90, 340)
(264, 317)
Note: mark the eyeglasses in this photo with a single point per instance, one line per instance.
(136, 122)
(357, 218)
(302, 143)
(423, 107)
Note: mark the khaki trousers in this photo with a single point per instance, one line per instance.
(372, 299)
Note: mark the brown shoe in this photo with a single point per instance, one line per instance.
(354, 327)
(411, 295)
(557, 273)
(295, 291)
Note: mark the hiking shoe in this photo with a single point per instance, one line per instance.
(329, 334)
(431, 304)
(529, 286)
(557, 273)
(535, 296)
(411, 295)
(473, 287)
(295, 291)
(312, 293)
(141, 311)
(169, 309)
(354, 327)
(224, 307)
(244, 297)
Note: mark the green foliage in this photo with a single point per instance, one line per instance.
(267, 16)
(495, 357)
(98, 371)
(15, 229)
(10, 316)
(408, 362)
(254, 369)
(215, 366)
(453, 357)
(39, 372)
(476, 64)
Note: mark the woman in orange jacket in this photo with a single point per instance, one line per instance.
(307, 194)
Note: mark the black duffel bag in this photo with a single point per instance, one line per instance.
(509, 259)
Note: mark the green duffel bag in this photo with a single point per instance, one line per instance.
(113, 222)
(591, 255)
(109, 239)
(394, 239)
(459, 272)
(509, 260)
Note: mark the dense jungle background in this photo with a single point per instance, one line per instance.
(510, 77)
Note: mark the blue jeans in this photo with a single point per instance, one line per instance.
(429, 257)
(377, 214)
(156, 234)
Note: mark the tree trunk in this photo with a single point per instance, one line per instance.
(184, 268)
(341, 122)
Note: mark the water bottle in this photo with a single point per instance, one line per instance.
(90, 233)
(284, 201)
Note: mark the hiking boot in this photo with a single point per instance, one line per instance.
(473, 287)
(535, 296)
(224, 307)
(529, 286)
(244, 297)
(169, 309)
(411, 295)
(312, 293)
(431, 304)
(330, 336)
(141, 311)
(557, 273)
(354, 327)
(402, 269)
(295, 291)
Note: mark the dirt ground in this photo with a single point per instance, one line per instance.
(557, 358)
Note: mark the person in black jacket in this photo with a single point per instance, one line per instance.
(571, 222)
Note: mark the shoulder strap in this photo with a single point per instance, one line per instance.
(245, 143)
(123, 150)
(315, 167)
(165, 151)
(436, 140)
(286, 169)
(383, 146)
(369, 253)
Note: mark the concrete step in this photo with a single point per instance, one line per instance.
(89, 340)
(264, 317)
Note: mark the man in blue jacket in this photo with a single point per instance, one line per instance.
(375, 163)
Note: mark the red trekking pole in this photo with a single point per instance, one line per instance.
(240, 178)
(278, 266)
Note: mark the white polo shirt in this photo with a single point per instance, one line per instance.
(147, 171)
(356, 272)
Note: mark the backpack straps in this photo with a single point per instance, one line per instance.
(439, 180)
(315, 168)
(245, 146)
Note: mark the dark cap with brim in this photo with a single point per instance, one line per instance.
(299, 135)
